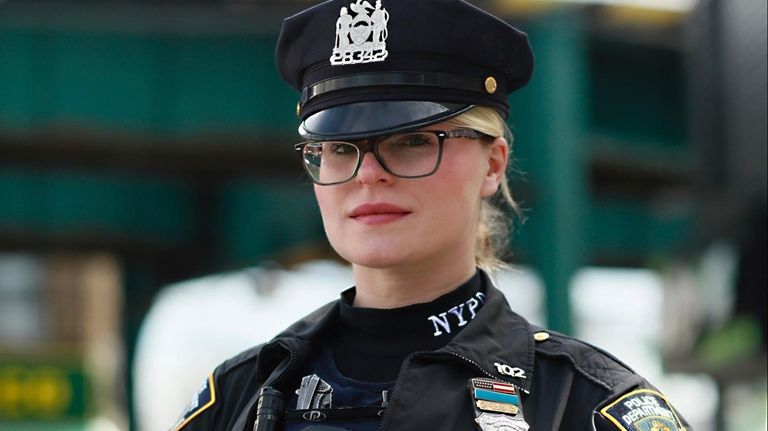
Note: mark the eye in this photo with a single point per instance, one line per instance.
(414, 140)
(340, 148)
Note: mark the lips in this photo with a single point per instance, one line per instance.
(377, 213)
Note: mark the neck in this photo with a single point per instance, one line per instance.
(403, 286)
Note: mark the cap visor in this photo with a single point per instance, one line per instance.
(362, 120)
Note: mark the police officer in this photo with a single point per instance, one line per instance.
(403, 107)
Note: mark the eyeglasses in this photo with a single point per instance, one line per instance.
(404, 155)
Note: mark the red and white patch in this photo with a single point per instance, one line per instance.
(501, 387)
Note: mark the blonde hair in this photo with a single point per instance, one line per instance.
(494, 224)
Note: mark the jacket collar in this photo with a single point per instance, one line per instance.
(496, 335)
(290, 348)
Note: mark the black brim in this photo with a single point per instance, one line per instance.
(361, 120)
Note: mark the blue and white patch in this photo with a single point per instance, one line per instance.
(642, 410)
(204, 398)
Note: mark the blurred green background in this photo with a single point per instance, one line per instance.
(148, 142)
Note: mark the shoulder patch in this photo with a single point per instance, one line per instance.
(202, 400)
(642, 410)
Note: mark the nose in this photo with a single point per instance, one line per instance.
(371, 171)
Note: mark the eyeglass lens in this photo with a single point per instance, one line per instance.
(404, 155)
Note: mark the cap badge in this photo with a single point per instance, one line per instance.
(360, 38)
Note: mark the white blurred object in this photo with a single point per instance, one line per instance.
(524, 290)
(21, 311)
(623, 311)
(716, 281)
(746, 406)
(195, 325)
(694, 395)
(620, 310)
(101, 423)
(668, 5)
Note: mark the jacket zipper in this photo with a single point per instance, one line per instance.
(432, 353)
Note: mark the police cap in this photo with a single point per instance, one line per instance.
(366, 68)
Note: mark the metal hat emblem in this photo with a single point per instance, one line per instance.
(360, 38)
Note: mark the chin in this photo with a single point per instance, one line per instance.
(380, 257)
(377, 263)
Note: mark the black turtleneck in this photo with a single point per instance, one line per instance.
(370, 344)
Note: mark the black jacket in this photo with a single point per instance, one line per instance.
(565, 383)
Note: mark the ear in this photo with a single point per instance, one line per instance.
(498, 156)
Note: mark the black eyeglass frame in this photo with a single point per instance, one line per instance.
(372, 146)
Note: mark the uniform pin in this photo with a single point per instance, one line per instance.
(509, 371)
(491, 406)
(497, 405)
(495, 422)
(490, 85)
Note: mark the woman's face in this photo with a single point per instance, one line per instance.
(378, 220)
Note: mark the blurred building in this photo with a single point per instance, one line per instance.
(147, 142)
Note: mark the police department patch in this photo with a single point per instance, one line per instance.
(642, 410)
(204, 398)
